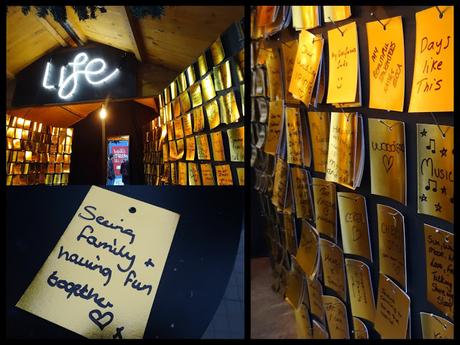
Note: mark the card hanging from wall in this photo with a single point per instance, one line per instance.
(305, 17)
(433, 81)
(207, 174)
(275, 124)
(202, 147)
(207, 88)
(387, 147)
(319, 132)
(325, 200)
(301, 181)
(435, 170)
(229, 112)
(308, 57)
(212, 114)
(274, 81)
(190, 72)
(337, 317)
(289, 51)
(386, 64)
(202, 65)
(439, 254)
(360, 288)
(236, 143)
(354, 224)
(393, 310)
(294, 286)
(218, 152)
(279, 183)
(344, 85)
(224, 175)
(392, 244)
(436, 327)
(290, 233)
(303, 324)
(190, 148)
(298, 143)
(217, 52)
(173, 90)
(195, 91)
(182, 173)
(198, 119)
(333, 265)
(187, 124)
(121, 308)
(336, 13)
(307, 255)
(319, 331)
(193, 174)
(176, 107)
(345, 161)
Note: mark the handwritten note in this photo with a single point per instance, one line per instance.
(217, 78)
(436, 327)
(185, 101)
(306, 66)
(307, 255)
(101, 278)
(302, 322)
(386, 64)
(345, 152)
(319, 131)
(173, 170)
(212, 113)
(293, 136)
(319, 332)
(387, 147)
(294, 288)
(182, 173)
(359, 329)
(218, 152)
(187, 124)
(435, 170)
(226, 75)
(198, 119)
(354, 224)
(178, 130)
(190, 71)
(290, 233)
(240, 172)
(193, 175)
(190, 148)
(302, 194)
(224, 175)
(393, 309)
(433, 82)
(289, 51)
(202, 65)
(392, 245)
(176, 108)
(207, 87)
(360, 287)
(231, 113)
(315, 295)
(202, 147)
(337, 318)
(343, 64)
(207, 174)
(274, 81)
(333, 267)
(279, 183)
(275, 116)
(439, 253)
(324, 197)
(195, 91)
(236, 143)
(217, 51)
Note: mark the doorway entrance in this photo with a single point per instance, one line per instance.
(118, 147)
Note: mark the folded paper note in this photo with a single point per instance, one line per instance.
(102, 276)
(337, 319)
(435, 327)
(325, 200)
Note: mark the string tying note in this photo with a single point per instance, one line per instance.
(336, 25)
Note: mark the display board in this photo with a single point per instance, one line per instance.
(352, 169)
(198, 139)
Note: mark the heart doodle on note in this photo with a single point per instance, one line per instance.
(96, 316)
(388, 162)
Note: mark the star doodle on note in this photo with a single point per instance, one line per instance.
(438, 207)
(443, 152)
(423, 197)
(149, 262)
(443, 190)
(423, 133)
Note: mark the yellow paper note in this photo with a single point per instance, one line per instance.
(343, 64)
(224, 175)
(275, 115)
(198, 119)
(193, 175)
(190, 148)
(212, 113)
(359, 329)
(187, 124)
(293, 136)
(324, 196)
(302, 321)
(185, 101)
(202, 147)
(119, 292)
(337, 318)
(435, 170)
(305, 17)
(332, 260)
(306, 66)
(433, 82)
(195, 91)
(236, 143)
(336, 13)
(386, 64)
(289, 51)
(319, 131)
(274, 81)
(207, 174)
(182, 173)
(217, 143)
(307, 255)
(435, 327)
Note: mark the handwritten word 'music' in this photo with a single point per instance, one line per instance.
(431, 64)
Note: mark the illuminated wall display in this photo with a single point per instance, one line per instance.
(76, 75)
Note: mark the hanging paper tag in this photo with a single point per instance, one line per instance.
(333, 267)
(359, 329)
(101, 279)
(307, 255)
(324, 195)
(435, 327)
(337, 319)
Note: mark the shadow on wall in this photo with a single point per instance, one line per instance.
(123, 118)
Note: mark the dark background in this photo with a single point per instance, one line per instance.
(123, 118)
(415, 246)
(196, 273)
(29, 89)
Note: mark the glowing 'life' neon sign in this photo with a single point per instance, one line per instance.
(68, 84)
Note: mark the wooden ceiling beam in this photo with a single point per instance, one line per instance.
(61, 40)
(153, 79)
(133, 32)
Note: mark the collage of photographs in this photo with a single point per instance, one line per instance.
(229, 172)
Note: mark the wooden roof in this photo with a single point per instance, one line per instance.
(166, 46)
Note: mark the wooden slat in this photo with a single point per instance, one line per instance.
(52, 31)
(132, 32)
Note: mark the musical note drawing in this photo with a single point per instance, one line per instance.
(433, 150)
(428, 186)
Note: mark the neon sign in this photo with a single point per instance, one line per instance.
(93, 71)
